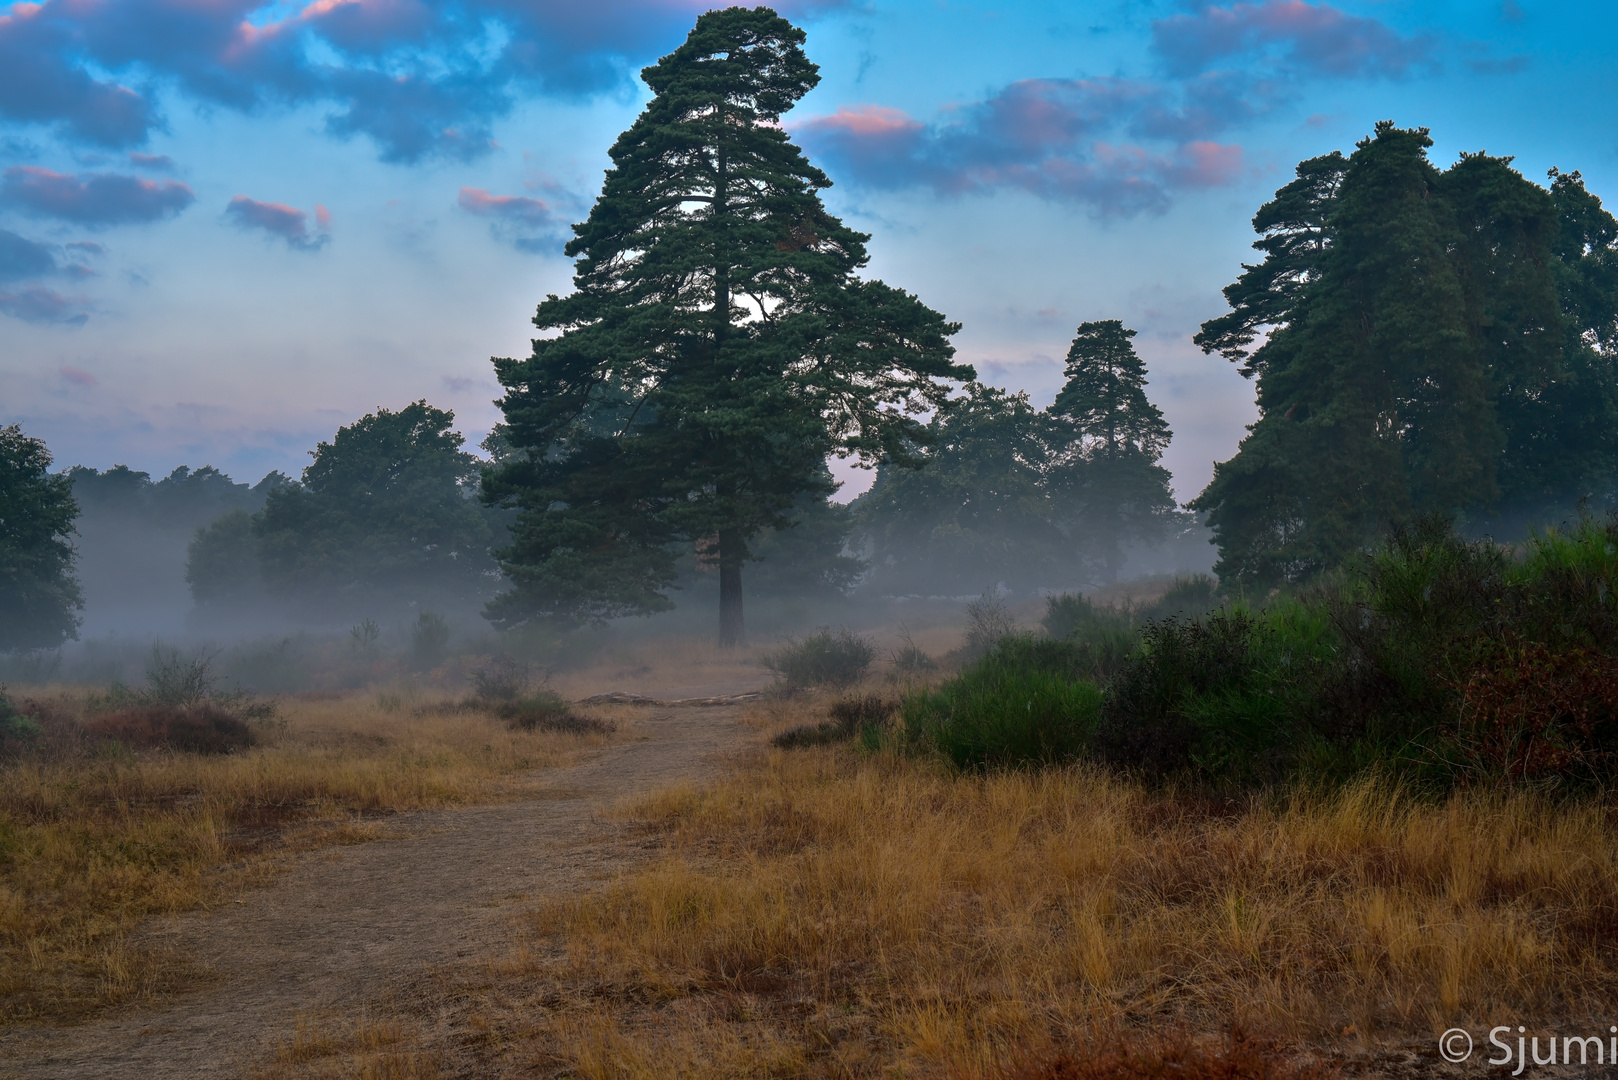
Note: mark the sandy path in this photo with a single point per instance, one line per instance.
(348, 925)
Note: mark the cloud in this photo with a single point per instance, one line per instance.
(532, 225)
(420, 79)
(94, 199)
(277, 219)
(1067, 140)
(1298, 37)
(43, 80)
(154, 162)
(37, 304)
(77, 377)
(22, 258)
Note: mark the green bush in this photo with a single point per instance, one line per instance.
(1187, 598)
(1106, 635)
(847, 718)
(825, 658)
(1024, 703)
(1446, 659)
(16, 729)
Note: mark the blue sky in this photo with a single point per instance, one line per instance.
(225, 229)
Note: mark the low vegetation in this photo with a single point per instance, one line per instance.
(832, 912)
(826, 657)
(112, 812)
(1434, 658)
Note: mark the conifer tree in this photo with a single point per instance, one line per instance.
(716, 349)
(1418, 356)
(1106, 438)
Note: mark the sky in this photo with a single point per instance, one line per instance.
(227, 229)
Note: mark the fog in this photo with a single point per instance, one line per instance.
(134, 534)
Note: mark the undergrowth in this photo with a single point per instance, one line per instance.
(1442, 660)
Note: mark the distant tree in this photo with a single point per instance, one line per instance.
(222, 565)
(1419, 356)
(808, 558)
(386, 513)
(717, 348)
(39, 596)
(1106, 486)
(976, 514)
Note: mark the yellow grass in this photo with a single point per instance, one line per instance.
(820, 913)
(94, 841)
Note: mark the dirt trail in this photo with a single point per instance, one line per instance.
(348, 925)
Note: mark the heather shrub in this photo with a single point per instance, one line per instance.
(846, 719)
(549, 711)
(198, 729)
(1025, 702)
(825, 658)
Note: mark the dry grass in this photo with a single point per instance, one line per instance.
(823, 914)
(95, 837)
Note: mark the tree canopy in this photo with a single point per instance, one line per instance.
(717, 348)
(386, 514)
(1435, 342)
(39, 596)
(1105, 438)
(977, 514)
(1025, 498)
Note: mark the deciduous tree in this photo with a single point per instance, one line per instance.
(39, 596)
(386, 513)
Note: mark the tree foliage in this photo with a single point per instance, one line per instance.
(1015, 496)
(977, 514)
(39, 596)
(1105, 438)
(1437, 341)
(716, 349)
(386, 513)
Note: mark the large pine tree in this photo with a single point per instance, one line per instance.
(1418, 357)
(717, 347)
(1106, 437)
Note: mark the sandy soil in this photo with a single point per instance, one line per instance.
(347, 928)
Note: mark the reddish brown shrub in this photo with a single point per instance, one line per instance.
(201, 729)
(1532, 713)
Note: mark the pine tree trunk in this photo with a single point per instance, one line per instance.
(732, 632)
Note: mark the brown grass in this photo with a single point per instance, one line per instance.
(96, 836)
(825, 914)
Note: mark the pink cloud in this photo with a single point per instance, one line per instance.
(77, 377)
(532, 225)
(1051, 137)
(322, 216)
(866, 122)
(511, 207)
(95, 198)
(277, 219)
(1313, 39)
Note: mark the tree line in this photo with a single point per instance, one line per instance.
(1423, 341)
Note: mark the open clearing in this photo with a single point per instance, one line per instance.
(347, 929)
